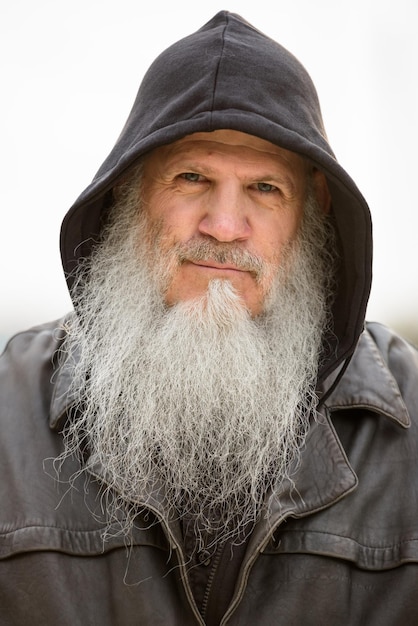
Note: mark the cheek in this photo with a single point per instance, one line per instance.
(275, 236)
(157, 246)
(174, 226)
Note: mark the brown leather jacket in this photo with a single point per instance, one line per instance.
(341, 549)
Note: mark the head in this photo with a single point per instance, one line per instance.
(230, 205)
(229, 75)
(200, 322)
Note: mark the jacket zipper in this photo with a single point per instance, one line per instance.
(185, 581)
(211, 577)
(175, 546)
(246, 572)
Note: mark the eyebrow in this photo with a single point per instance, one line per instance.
(189, 165)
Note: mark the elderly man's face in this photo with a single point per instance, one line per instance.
(228, 188)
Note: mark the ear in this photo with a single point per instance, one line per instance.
(321, 190)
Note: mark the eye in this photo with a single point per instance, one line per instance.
(191, 177)
(266, 187)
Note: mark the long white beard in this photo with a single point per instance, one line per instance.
(199, 397)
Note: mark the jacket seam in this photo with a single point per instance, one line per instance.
(351, 539)
(48, 527)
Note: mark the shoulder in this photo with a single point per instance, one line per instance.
(28, 368)
(34, 340)
(31, 352)
(382, 376)
(392, 347)
(401, 359)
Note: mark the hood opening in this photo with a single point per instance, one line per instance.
(243, 81)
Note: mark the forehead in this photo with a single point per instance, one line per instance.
(230, 142)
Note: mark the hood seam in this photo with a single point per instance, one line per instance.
(215, 82)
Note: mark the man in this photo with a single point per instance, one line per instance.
(213, 437)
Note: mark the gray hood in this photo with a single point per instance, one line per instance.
(230, 75)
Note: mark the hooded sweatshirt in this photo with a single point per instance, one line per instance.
(229, 75)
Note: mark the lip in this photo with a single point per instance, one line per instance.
(212, 265)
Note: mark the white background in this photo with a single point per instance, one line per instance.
(69, 75)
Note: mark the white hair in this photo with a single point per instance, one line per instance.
(198, 405)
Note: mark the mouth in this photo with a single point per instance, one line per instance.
(221, 267)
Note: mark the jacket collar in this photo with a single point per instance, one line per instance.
(325, 475)
(368, 383)
(63, 396)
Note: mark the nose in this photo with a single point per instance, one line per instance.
(225, 215)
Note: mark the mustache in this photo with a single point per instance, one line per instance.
(221, 252)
